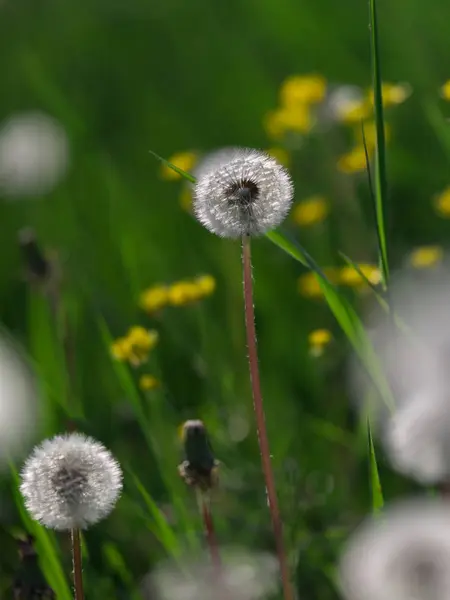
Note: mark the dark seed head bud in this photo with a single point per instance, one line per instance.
(199, 467)
(36, 264)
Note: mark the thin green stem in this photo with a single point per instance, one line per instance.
(261, 420)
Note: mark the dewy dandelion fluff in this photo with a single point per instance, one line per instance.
(403, 554)
(70, 481)
(242, 192)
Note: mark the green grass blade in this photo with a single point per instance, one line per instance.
(380, 150)
(344, 313)
(375, 483)
(174, 167)
(46, 546)
(160, 528)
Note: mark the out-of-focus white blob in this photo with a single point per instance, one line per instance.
(415, 439)
(403, 554)
(340, 102)
(413, 350)
(18, 404)
(34, 154)
(243, 575)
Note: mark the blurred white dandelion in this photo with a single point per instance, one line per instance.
(242, 192)
(19, 415)
(243, 575)
(34, 153)
(402, 554)
(70, 481)
(413, 350)
(341, 102)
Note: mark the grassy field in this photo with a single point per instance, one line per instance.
(126, 78)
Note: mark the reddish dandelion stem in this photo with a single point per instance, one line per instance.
(77, 564)
(210, 532)
(260, 418)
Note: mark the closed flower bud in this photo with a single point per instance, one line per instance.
(199, 467)
(242, 192)
(70, 481)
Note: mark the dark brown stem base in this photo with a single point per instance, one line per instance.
(77, 564)
(288, 591)
(210, 533)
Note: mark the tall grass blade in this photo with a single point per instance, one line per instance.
(380, 150)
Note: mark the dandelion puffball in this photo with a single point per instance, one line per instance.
(34, 152)
(401, 554)
(19, 415)
(242, 192)
(412, 352)
(243, 576)
(70, 481)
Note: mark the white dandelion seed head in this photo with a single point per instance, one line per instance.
(402, 554)
(242, 192)
(243, 575)
(34, 153)
(415, 439)
(19, 414)
(70, 481)
(414, 357)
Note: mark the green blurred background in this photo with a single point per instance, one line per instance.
(125, 77)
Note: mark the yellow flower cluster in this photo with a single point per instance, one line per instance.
(426, 256)
(135, 346)
(178, 294)
(358, 110)
(148, 382)
(355, 160)
(361, 110)
(442, 203)
(310, 211)
(445, 90)
(308, 284)
(318, 340)
(298, 94)
(183, 160)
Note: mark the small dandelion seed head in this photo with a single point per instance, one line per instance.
(245, 193)
(70, 481)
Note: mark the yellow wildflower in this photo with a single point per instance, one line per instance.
(148, 382)
(353, 161)
(278, 122)
(206, 284)
(186, 199)
(310, 211)
(142, 341)
(426, 256)
(154, 298)
(302, 89)
(135, 346)
(184, 292)
(308, 284)
(442, 202)
(370, 134)
(279, 154)
(351, 277)
(318, 340)
(445, 90)
(120, 348)
(393, 93)
(182, 160)
(355, 111)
